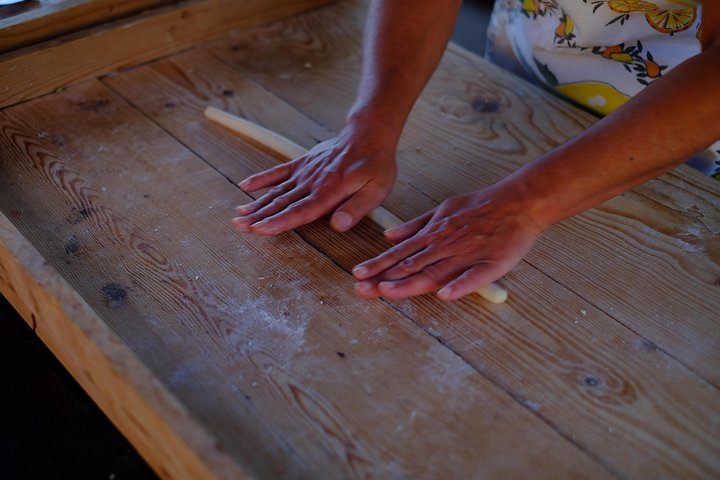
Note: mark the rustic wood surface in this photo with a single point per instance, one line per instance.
(44, 19)
(52, 65)
(260, 338)
(104, 365)
(594, 395)
(603, 363)
(650, 258)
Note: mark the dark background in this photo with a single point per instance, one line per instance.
(49, 427)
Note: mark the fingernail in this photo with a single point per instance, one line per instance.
(387, 285)
(341, 221)
(391, 231)
(242, 208)
(244, 184)
(261, 225)
(363, 286)
(445, 292)
(360, 271)
(238, 222)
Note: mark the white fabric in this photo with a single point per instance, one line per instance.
(598, 53)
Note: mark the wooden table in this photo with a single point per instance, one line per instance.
(225, 355)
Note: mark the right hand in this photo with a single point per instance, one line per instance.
(350, 174)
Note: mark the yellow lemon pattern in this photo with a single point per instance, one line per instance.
(538, 8)
(671, 21)
(645, 68)
(600, 97)
(628, 6)
(668, 20)
(564, 31)
(598, 53)
(666, 17)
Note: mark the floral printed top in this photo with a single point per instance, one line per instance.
(598, 53)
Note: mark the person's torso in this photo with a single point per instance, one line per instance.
(599, 53)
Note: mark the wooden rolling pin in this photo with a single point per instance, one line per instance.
(289, 150)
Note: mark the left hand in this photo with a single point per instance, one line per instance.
(464, 243)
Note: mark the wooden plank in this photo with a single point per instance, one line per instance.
(43, 68)
(51, 19)
(129, 394)
(649, 260)
(14, 9)
(259, 338)
(606, 388)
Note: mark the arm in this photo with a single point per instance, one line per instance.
(353, 173)
(469, 241)
(669, 121)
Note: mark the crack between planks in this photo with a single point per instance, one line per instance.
(100, 78)
(517, 398)
(520, 400)
(650, 343)
(679, 211)
(104, 21)
(288, 103)
(426, 330)
(151, 120)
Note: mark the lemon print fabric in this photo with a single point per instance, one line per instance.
(599, 53)
(564, 31)
(671, 21)
(643, 66)
(668, 20)
(627, 6)
(623, 44)
(601, 97)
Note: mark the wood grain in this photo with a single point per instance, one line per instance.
(648, 258)
(259, 338)
(608, 389)
(56, 18)
(129, 394)
(43, 68)
(287, 150)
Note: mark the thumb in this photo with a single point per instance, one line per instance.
(352, 210)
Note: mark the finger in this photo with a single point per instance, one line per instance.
(472, 279)
(415, 263)
(389, 258)
(427, 280)
(275, 205)
(351, 212)
(299, 213)
(266, 198)
(268, 178)
(367, 289)
(408, 229)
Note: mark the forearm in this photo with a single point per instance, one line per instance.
(403, 44)
(662, 126)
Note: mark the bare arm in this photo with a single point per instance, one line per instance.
(665, 124)
(469, 241)
(353, 173)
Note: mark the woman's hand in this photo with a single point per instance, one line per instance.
(463, 244)
(350, 174)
